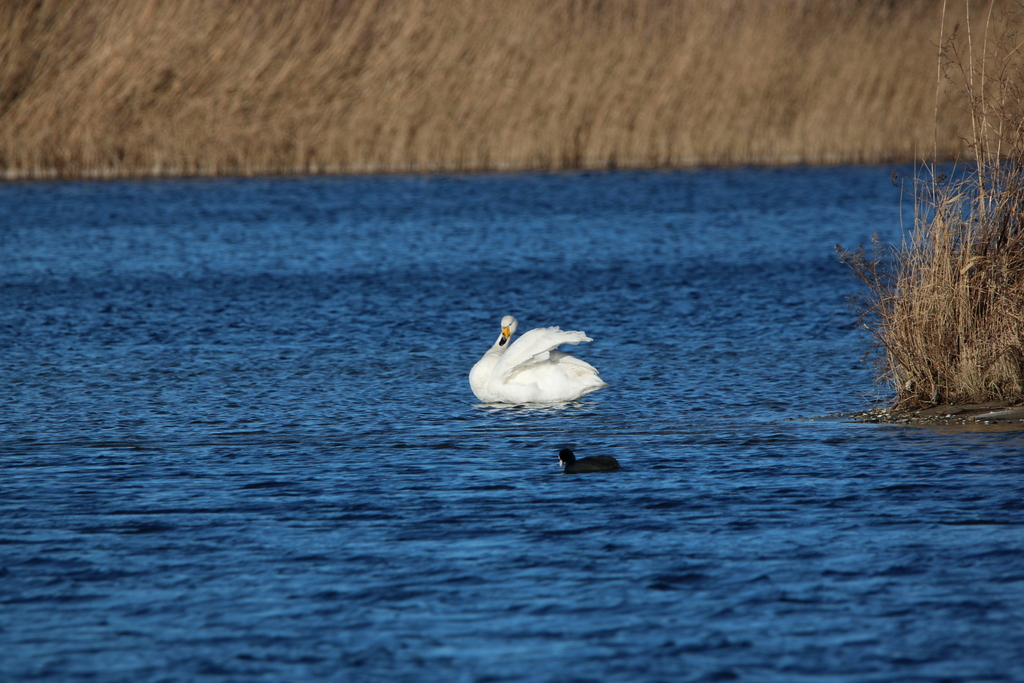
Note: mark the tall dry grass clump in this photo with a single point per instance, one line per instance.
(183, 87)
(947, 305)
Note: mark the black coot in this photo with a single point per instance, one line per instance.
(594, 463)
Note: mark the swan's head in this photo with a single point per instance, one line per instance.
(508, 327)
(566, 457)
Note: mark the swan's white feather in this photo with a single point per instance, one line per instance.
(532, 370)
(534, 348)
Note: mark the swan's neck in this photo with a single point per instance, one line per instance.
(495, 352)
(481, 372)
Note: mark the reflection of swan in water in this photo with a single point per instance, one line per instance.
(594, 463)
(531, 369)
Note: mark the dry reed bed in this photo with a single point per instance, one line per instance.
(152, 87)
(946, 306)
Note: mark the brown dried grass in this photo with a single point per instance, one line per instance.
(947, 306)
(182, 87)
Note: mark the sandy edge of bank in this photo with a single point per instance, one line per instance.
(998, 414)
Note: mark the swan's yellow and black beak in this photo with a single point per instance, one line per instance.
(506, 332)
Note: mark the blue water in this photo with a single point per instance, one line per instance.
(238, 442)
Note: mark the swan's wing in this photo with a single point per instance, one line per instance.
(535, 346)
(559, 357)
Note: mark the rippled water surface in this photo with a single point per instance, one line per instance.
(238, 442)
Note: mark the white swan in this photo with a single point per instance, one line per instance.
(531, 369)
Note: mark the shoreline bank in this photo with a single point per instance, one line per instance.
(997, 414)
